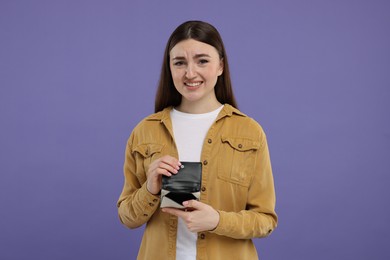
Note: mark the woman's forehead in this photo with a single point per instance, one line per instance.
(192, 48)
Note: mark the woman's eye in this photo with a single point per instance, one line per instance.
(178, 63)
(203, 61)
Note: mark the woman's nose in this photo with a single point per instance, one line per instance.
(190, 71)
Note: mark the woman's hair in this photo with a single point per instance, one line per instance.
(167, 95)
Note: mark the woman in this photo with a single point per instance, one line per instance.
(196, 119)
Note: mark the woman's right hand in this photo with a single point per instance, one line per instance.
(166, 165)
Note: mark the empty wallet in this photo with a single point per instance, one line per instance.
(185, 185)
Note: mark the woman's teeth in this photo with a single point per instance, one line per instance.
(193, 84)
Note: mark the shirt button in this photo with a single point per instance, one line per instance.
(145, 215)
(205, 162)
(155, 200)
(202, 236)
(209, 141)
(240, 146)
(203, 188)
(151, 204)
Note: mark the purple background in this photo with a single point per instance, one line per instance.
(76, 77)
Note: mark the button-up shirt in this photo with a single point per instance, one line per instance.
(237, 181)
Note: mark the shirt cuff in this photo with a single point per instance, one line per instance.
(221, 227)
(150, 201)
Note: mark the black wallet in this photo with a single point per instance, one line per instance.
(185, 185)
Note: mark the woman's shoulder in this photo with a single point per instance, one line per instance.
(238, 117)
(150, 121)
(148, 127)
(240, 123)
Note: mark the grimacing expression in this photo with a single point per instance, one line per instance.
(195, 68)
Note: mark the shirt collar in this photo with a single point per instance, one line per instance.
(229, 110)
(163, 115)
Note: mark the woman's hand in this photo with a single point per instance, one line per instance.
(202, 217)
(166, 165)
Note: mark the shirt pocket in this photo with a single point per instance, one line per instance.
(237, 160)
(148, 153)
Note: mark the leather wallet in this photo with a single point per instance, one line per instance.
(185, 185)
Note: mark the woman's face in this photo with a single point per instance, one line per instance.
(195, 67)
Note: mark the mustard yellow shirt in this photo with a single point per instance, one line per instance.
(237, 181)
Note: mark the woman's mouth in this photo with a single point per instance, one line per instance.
(193, 84)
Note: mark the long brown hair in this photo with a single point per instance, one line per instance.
(167, 95)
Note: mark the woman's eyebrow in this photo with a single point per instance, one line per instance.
(178, 58)
(201, 55)
(197, 56)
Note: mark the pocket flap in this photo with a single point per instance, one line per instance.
(147, 150)
(241, 144)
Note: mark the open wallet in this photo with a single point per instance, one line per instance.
(182, 186)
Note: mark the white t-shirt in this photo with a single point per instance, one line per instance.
(189, 132)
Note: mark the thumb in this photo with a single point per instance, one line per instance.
(193, 204)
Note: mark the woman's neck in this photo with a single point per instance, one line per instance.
(198, 107)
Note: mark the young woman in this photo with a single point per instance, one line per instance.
(197, 120)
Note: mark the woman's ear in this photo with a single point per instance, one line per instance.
(220, 71)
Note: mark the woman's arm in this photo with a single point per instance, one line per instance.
(259, 218)
(140, 195)
(136, 204)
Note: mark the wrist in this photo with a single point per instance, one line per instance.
(152, 191)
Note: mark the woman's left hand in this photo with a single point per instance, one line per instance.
(201, 217)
